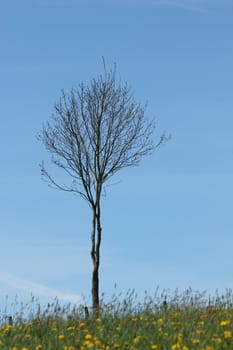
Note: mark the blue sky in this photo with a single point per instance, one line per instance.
(167, 223)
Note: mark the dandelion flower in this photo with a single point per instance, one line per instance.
(154, 347)
(39, 347)
(227, 334)
(88, 336)
(225, 323)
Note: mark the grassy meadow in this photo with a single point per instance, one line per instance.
(189, 321)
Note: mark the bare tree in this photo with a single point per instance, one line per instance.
(96, 130)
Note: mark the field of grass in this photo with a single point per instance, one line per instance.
(189, 321)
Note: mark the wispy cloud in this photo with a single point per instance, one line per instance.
(191, 5)
(36, 289)
(202, 6)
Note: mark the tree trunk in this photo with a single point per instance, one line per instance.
(95, 289)
(95, 255)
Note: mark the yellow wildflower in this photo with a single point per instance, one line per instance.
(143, 318)
(154, 347)
(38, 347)
(225, 323)
(27, 336)
(176, 346)
(97, 342)
(227, 334)
(136, 340)
(61, 336)
(88, 344)
(88, 336)
(217, 340)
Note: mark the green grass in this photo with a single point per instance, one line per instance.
(188, 322)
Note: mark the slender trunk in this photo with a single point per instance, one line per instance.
(95, 255)
(95, 289)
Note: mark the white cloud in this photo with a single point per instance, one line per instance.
(36, 289)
